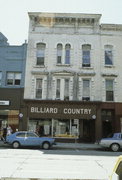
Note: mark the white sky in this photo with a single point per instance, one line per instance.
(14, 19)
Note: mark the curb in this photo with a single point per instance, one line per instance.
(79, 146)
(4, 178)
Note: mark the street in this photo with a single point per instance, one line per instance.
(61, 163)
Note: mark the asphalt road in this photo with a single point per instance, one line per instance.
(57, 163)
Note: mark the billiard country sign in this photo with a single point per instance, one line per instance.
(55, 110)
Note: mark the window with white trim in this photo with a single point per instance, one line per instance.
(59, 53)
(86, 48)
(39, 88)
(66, 89)
(62, 89)
(86, 90)
(67, 53)
(108, 54)
(109, 89)
(40, 54)
(13, 78)
(58, 89)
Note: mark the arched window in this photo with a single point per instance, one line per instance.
(59, 53)
(40, 53)
(67, 53)
(86, 48)
(108, 54)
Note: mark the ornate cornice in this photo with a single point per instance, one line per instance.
(63, 72)
(111, 27)
(51, 19)
(109, 74)
(38, 72)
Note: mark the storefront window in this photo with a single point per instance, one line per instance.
(41, 127)
(55, 127)
(65, 128)
(9, 117)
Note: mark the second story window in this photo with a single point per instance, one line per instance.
(109, 90)
(67, 53)
(58, 89)
(108, 55)
(86, 90)
(86, 48)
(0, 78)
(13, 78)
(59, 54)
(66, 89)
(40, 54)
(62, 89)
(39, 88)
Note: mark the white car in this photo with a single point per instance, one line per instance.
(114, 142)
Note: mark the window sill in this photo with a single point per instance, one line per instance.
(109, 66)
(66, 65)
(39, 66)
(110, 101)
(12, 86)
(87, 68)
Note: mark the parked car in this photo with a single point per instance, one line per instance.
(117, 170)
(114, 142)
(26, 138)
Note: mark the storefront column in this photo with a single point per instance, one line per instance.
(70, 127)
(52, 127)
(23, 121)
(98, 125)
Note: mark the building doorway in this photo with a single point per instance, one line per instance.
(107, 122)
(107, 128)
(87, 130)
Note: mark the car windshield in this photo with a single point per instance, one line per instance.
(21, 134)
(110, 135)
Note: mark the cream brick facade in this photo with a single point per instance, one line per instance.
(76, 30)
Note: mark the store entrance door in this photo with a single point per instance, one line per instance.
(107, 128)
(89, 130)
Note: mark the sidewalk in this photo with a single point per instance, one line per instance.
(81, 146)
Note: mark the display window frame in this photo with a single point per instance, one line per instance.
(57, 128)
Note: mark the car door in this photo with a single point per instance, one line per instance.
(20, 137)
(120, 140)
(31, 139)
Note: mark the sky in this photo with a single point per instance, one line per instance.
(14, 20)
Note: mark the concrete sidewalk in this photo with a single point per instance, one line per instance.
(44, 179)
(82, 146)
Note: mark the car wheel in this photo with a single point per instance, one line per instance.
(46, 145)
(16, 145)
(115, 147)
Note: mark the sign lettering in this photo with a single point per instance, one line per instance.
(55, 110)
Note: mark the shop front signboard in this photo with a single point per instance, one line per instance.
(4, 103)
(64, 111)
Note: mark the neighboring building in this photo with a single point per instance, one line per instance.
(73, 76)
(12, 74)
